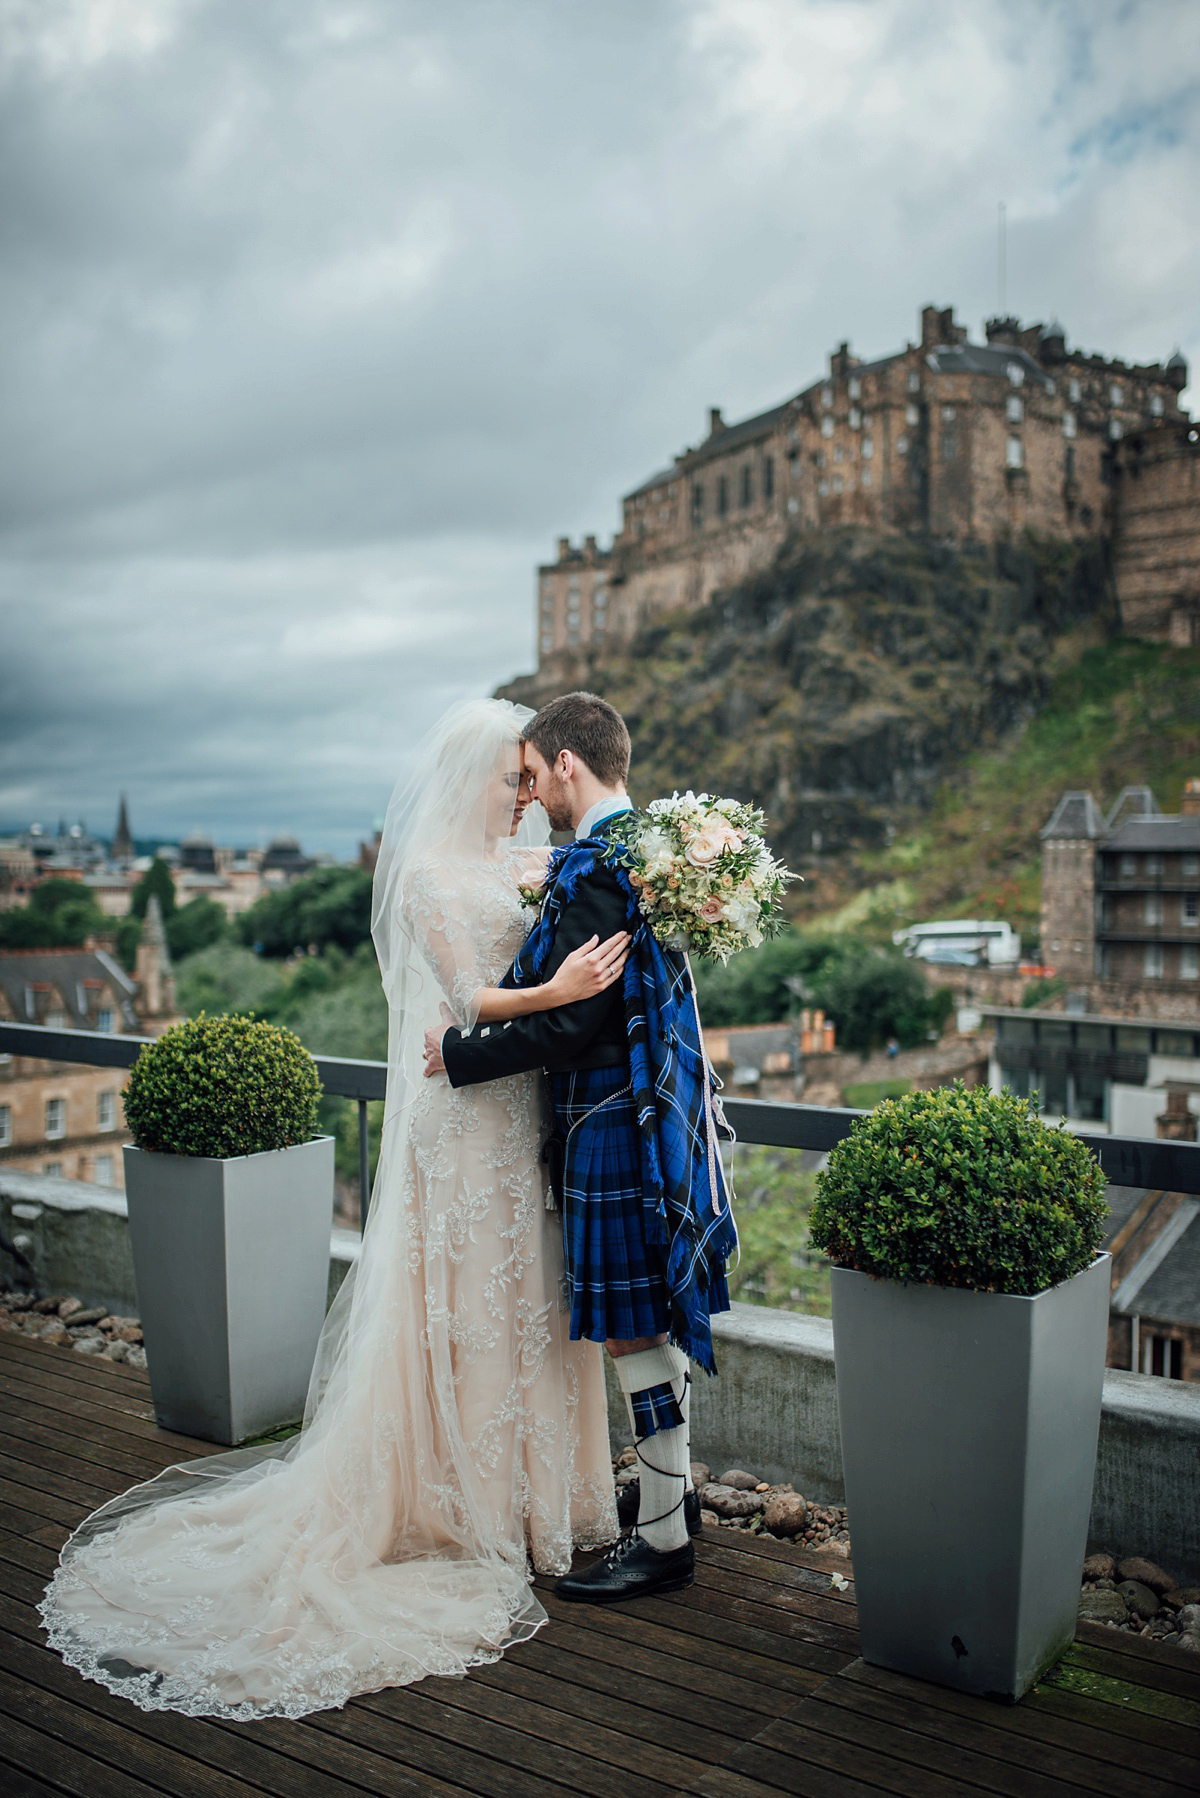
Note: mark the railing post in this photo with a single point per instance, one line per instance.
(364, 1164)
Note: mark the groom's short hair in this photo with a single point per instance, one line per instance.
(590, 728)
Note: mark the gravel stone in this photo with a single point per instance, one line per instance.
(89, 1345)
(1099, 1566)
(1102, 1607)
(740, 1480)
(1139, 1598)
(1188, 1619)
(784, 1513)
(116, 1351)
(729, 1502)
(701, 1474)
(1147, 1573)
(69, 1307)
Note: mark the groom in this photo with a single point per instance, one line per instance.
(645, 1211)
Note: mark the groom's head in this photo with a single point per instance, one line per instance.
(577, 750)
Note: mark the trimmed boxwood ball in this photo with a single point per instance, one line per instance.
(961, 1187)
(222, 1087)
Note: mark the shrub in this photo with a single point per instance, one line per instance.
(222, 1087)
(959, 1187)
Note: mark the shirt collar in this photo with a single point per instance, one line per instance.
(596, 814)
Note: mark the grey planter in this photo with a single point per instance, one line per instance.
(969, 1423)
(231, 1260)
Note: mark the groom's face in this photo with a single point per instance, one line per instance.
(550, 790)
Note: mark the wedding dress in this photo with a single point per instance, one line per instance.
(453, 1431)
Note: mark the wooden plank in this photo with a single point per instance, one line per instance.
(25, 1499)
(72, 1770)
(743, 1624)
(90, 1370)
(201, 1740)
(1155, 1671)
(670, 1634)
(1104, 1677)
(361, 1768)
(109, 1743)
(679, 1697)
(816, 1765)
(40, 1428)
(1119, 1641)
(41, 1462)
(33, 1557)
(46, 1483)
(123, 1419)
(795, 1576)
(15, 1784)
(797, 1600)
(777, 1772)
(772, 1548)
(670, 1668)
(1056, 1764)
(1087, 1727)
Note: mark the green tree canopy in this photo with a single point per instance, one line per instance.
(330, 906)
(157, 881)
(196, 925)
(61, 914)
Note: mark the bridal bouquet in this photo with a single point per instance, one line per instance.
(704, 876)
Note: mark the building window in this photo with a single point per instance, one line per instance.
(547, 612)
(697, 504)
(1073, 392)
(547, 640)
(1156, 405)
(1070, 425)
(1116, 430)
(102, 1170)
(1153, 908)
(1189, 961)
(1069, 462)
(722, 496)
(912, 414)
(747, 485)
(839, 454)
(827, 397)
(948, 445)
(5, 1126)
(855, 387)
(1189, 865)
(1163, 1355)
(902, 446)
(914, 381)
(827, 425)
(837, 483)
(53, 1168)
(56, 1119)
(822, 489)
(866, 477)
(1154, 866)
(1152, 961)
(1189, 910)
(868, 448)
(1016, 374)
(768, 477)
(1014, 408)
(1128, 867)
(855, 418)
(948, 413)
(56, 1020)
(1116, 394)
(1014, 454)
(106, 1111)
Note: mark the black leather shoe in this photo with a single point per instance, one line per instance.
(630, 1495)
(630, 1569)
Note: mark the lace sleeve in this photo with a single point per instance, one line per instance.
(435, 905)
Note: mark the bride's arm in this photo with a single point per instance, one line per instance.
(588, 970)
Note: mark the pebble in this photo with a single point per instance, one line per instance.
(89, 1345)
(1103, 1607)
(730, 1501)
(1146, 1573)
(1139, 1598)
(116, 1351)
(69, 1307)
(701, 1474)
(739, 1480)
(1190, 1640)
(1188, 1619)
(1099, 1567)
(784, 1513)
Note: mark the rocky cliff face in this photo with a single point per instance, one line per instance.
(842, 686)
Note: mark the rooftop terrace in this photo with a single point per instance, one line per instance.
(746, 1685)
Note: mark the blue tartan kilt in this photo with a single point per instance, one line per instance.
(615, 1280)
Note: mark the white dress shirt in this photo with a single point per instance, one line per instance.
(603, 808)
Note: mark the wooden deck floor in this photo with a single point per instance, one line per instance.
(745, 1686)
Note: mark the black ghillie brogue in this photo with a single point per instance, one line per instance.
(630, 1569)
(629, 1497)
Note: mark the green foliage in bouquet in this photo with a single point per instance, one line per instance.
(222, 1087)
(961, 1187)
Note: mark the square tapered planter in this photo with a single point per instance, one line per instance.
(231, 1259)
(969, 1423)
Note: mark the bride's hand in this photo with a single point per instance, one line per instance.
(590, 969)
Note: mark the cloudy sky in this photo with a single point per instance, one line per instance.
(321, 319)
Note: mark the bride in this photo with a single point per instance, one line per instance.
(452, 1431)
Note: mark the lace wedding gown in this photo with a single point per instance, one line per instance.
(453, 1430)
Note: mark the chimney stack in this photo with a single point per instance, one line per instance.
(1189, 805)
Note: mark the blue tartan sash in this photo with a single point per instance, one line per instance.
(685, 1198)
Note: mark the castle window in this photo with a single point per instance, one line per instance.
(1116, 394)
(827, 426)
(1152, 961)
(722, 495)
(827, 397)
(1074, 392)
(1015, 409)
(1156, 405)
(820, 458)
(56, 1119)
(547, 639)
(547, 607)
(868, 447)
(837, 483)
(1115, 430)
(1128, 867)
(1189, 962)
(1189, 911)
(866, 477)
(823, 488)
(914, 381)
(1014, 453)
(600, 599)
(102, 1170)
(769, 477)
(747, 484)
(1154, 866)
(697, 504)
(949, 444)
(948, 413)
(1016, 374)
(5, 1126)
(855, 418)
(1070, 427)
(1189, 865)
(902, 446)
(839, 454)
(855, 387)
(912, 414)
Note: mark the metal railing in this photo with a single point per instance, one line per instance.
(1126, 1160)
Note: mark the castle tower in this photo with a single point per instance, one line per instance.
(1069, 843)
(153, 972)
(122, 843)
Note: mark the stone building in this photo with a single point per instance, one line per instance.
(57, 1117)
(967, 442)
(1157, 535)
(1121, 899)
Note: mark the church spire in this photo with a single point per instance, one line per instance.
(122, 843)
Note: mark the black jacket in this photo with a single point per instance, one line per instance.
(590, 1033)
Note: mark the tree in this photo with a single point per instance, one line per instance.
(156, 880)
(61, 914)
(328, 906)
(875, 996)
(196, 925)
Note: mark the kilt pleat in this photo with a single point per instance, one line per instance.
(615, 1280)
